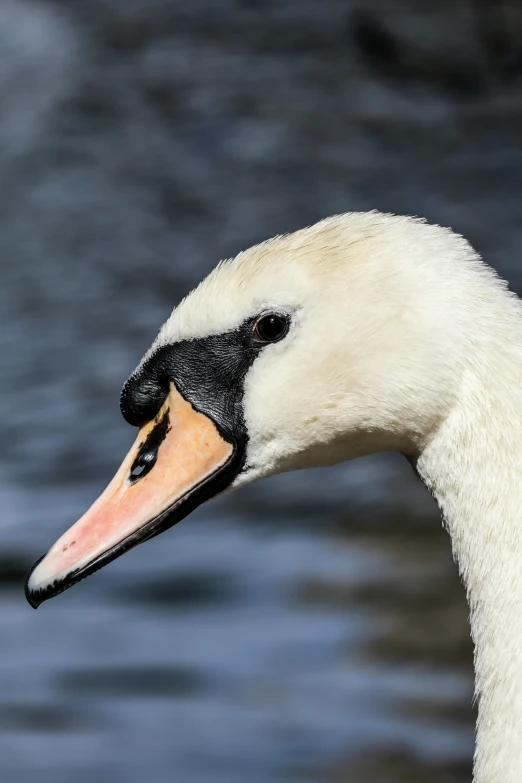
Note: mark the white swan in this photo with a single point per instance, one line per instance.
(362, 333)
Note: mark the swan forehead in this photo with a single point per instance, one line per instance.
(349, 254)
(235, 291)
(284, 271)
(225, 300)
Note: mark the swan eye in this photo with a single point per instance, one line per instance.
(271, 328)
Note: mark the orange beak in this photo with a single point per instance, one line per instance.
(178, 460)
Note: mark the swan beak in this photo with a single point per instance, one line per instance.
(178, 460)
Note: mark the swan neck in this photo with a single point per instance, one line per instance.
(473, 467)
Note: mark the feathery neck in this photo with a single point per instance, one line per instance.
(473, 467)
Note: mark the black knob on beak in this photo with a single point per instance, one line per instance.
(143, 395)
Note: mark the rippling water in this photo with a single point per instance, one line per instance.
(309, 628)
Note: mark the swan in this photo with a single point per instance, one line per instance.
(362, 333)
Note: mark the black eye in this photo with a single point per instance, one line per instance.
(271, 328)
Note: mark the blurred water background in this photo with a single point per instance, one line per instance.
(312, 627)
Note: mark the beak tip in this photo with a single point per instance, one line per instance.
(31, 600)
(34, 597)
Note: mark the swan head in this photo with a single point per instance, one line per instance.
(312, 348)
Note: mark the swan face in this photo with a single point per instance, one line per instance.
(306, 350)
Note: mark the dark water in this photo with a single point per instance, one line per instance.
(312, 627)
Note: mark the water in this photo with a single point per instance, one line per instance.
(309, 628)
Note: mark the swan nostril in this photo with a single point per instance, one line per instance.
(143, 463)
(147, 455)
